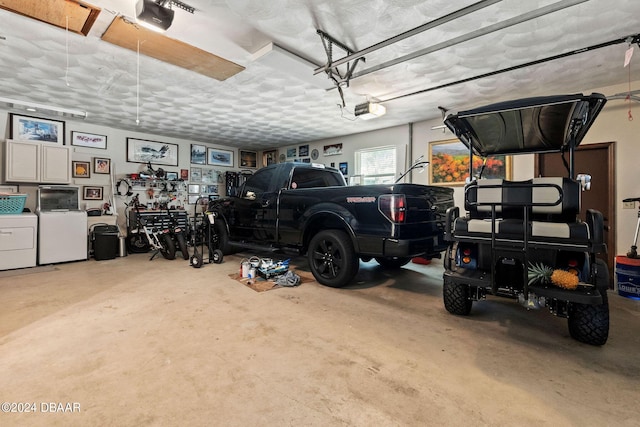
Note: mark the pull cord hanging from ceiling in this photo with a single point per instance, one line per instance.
(66, 42)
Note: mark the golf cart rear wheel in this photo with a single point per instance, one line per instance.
(196, 261)
(217, 256)
(456, 298)
(590, 323)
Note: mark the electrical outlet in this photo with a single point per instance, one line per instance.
(628, 205)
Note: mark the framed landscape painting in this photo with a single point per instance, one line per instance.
(449, 164)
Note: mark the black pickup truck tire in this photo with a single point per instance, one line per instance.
(392, 263)
(332, 259)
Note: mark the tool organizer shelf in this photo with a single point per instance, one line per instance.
(159, 219)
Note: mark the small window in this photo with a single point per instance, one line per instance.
(376, 165)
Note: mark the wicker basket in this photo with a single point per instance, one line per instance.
(11, 204)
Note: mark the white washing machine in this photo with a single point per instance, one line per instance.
(62, 226)
(18, 234)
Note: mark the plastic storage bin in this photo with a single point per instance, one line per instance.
(12, 204)
(628, 276)
(105, 241)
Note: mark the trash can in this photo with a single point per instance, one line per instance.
(105, 241)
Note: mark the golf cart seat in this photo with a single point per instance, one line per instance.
(548, 206)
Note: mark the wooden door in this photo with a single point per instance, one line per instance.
(596, 160)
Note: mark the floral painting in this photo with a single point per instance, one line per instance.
(449, 164)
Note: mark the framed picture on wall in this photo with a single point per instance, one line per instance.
(101, 165)
(344, 168)
(196, 174)
(333, 149)
(449, 164)
(90, 140)
(218, 157)
(248, 159)
(145, 151)
(91, 193)
(27, 128)
(80, 169)
(198, 154)
(269, 157)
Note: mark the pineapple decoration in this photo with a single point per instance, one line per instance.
(539, 274)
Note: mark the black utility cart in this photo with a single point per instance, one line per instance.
(523, 239)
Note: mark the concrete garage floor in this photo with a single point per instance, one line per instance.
(136, 343)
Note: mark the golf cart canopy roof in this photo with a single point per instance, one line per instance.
(529, 125)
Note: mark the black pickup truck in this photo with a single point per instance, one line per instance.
(310, 209)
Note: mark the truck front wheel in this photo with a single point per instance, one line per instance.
(220, 238)
(332, 258)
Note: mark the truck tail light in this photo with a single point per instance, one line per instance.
(393, 206)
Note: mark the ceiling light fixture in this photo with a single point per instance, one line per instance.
(41, 108)
(369, 110)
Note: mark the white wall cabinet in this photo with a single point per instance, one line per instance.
(37, 162)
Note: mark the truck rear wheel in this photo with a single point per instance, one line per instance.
(332, 258)
(392, 263)
(456, 298)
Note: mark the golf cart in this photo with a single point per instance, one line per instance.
(523, 239)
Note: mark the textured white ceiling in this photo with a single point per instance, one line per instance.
(265, 107)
